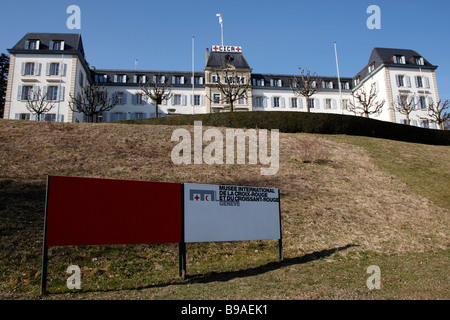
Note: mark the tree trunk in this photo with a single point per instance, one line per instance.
(307, 105)
(231, 104)
(156, 110)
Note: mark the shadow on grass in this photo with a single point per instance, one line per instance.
(230, 275)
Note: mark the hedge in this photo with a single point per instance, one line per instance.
(293, 122)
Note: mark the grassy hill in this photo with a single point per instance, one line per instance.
(347, 202)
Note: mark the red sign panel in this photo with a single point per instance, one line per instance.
(89, 211)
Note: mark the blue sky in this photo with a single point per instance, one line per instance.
(277, 36)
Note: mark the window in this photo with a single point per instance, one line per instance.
(178, 80)
(52, 93)
(120, 78)
(27, 93)
(102, 78)
(294, 102)
(276, 102)
(138, 99)
(345, 86)
(32, 45)
(56, 45)
(357, 81)
(24, 116)
(198, 80)
(372, 67)
(140, 78)
(50, 117)
(419, 61)
(422, 102)
(118, 116)
(258, 82)
(400, 81)
(425, 124)
(344, 104)
(419, 82)
(29, 69)
(275, 82)
(399, 59)
(120, 98)
(196, 100)
(241, 99)
(177, 99)
(328, 104)
(311, 103)
(54, 69)
(139, 115)
(216, 98)
(259, 101)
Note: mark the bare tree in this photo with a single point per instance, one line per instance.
(232, 86)
(92, 101)
(437, 113)
(405, 105)
(366, 102)
(158, 90)
(306, 85)
(38, 103)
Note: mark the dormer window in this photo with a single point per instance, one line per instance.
(419, 61)
(371, 67)
(399, 59)
(357, 81)
(56, 45)
(276, 83)
(32, 45)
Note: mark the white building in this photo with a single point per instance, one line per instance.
(56, 64)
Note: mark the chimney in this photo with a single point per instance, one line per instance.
(207, 55)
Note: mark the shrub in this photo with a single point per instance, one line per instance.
(323, 123)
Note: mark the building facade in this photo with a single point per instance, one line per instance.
(56, 65)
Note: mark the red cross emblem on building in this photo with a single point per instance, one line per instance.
(238, 49)
(215, 48)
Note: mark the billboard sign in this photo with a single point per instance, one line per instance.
(215, 213)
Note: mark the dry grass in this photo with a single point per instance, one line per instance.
(333, 196)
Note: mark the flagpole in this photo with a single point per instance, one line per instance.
(339, 77)
(193, 78)
(221, 24)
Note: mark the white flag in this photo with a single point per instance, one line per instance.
(220, 18)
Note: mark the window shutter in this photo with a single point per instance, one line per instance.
(397, 81)
(427, 82)
(124, 80)
(27, 45)
(64, 69)
(282, 101)
(19, 93)
(45, 92)
(38, 69)
(51, 45)
(300, 102)
(201, 80)
(115, 78)
(36, 92)
(182, 80)
(317, 103)
(135, 79)
(154, 78)
(60, 118)
(23, 68)
(125, 98)
(133, 99)
(203, 100)
(173, 80)
(62, 93)
(408, 81)
(430, 100)
(33, 117)
(280, 83)
(183, 98)
(38, 44)
(62, 45)
(334, 104)
(290, 102)
(47, 72)
(271, 82)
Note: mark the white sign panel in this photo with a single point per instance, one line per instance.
(216, 213)
(237, 49)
